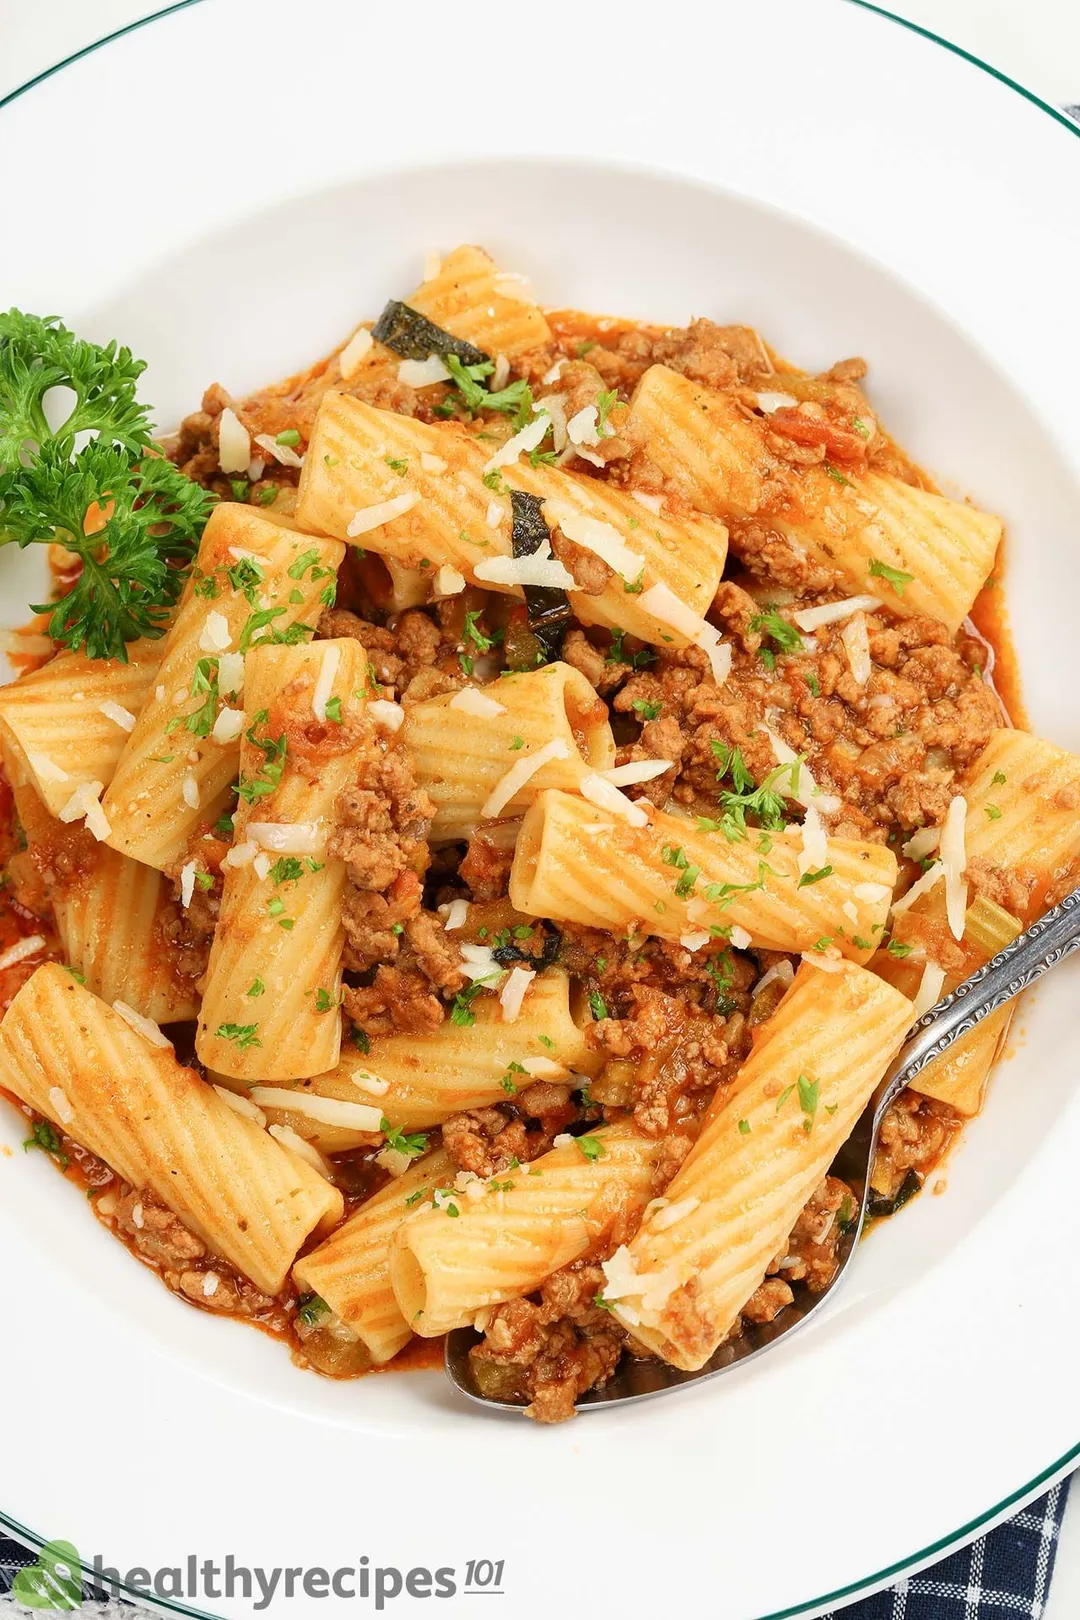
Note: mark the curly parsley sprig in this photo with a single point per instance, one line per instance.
(132, 518)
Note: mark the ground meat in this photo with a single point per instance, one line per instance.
(396, 1000)
(598, 670)
(438, 958)
(486, 867)
(767, 1301)
(914, 1134)
(591, 573)
(810, 1255)
(374, 922)
(1009, 888)
(580, 384)
(160, 1236)
(554, 1348)
(380, 644)
(383, 824)
(216, 1290)
(718, 356)
(488, 1140)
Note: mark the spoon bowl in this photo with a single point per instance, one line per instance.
(1041, 947)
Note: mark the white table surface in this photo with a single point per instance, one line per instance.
(1035, 41)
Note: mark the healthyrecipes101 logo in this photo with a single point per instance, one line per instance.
(55, 1581)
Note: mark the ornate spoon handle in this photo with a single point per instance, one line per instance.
(1046, 943)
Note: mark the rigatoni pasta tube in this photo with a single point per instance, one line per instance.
(73, 1059)
(270, 1004)
(116, 918)
(1022, 830)
(67, 722)
(426, 486)
(179, 762)
(465, 744)
(715, 454)
(416, 1081)
(470, 297)
(519, 1229)
(351, 1269)
(576, 863)
(693, 1264)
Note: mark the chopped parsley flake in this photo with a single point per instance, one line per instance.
(597, 1005)
(242, 1035)
(892, 576)
(256, 988)
(814, 877)
(411, 1146)
(591, 1147)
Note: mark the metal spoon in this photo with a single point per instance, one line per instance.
(1046, 943)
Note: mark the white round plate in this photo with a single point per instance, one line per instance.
(227, 190)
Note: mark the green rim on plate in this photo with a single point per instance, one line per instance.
(1055, 1470)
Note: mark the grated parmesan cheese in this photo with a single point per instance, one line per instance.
(544, 1068)
(386, 715)
(829, 961)
(287, 837)
(668, 608)
(83, 804)
(740, 938)
(187, 882)
(215, 636)
(456, 914)
(804, 790)
(582, 426)
(929, 878)
(326, 1110)
(293, 1142)
(871, 893)
(954, 861)
(241, 854)
(494, 515)
(833, 612)
(423, 373)
(930, 987)
(210, 1284)
(603, 540)
(60, 1105)
(189, 790)
(513, 992)
(234, 443)
(471, 701)
(228, 725)
(663, 1218)
(552, 375)
(325, 683)
(815, 848)
(694, 942)
(606, 796)
(501, 374)
(857, 646)
(526, 439)
(520, 773)
(262, 864)
(21, 950)
(539, 568)
(118, 715)
(145, 1027)
(638, 770)
(373, 517)
(651, 503)
(448, 582)
(769, 400)
(922, 843)
(354, 351)
(851, 912)
(781, 972)
(240, 1105)
(283, 453)
(231, 673)
(364, 1080)
(478, 962)
(45, 768)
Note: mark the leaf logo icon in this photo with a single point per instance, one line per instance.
(54, 1582)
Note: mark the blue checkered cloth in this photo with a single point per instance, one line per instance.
(1003, 1576)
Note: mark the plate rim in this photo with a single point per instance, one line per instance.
(1055, 1470)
